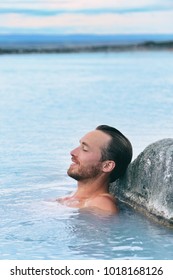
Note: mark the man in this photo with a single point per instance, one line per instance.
(102, 157)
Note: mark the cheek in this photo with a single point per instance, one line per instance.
(90, 159)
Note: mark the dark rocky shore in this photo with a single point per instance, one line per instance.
(148, 183)
(78, 49)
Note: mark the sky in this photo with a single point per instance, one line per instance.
(86, 16)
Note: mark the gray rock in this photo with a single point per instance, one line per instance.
(148, 183)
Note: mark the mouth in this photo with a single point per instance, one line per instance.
(74, 162)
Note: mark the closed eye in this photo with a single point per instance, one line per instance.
(84, 146)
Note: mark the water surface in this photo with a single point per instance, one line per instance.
(47, 103)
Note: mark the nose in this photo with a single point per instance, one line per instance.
(74, 152)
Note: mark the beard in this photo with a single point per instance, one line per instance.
(84, 173)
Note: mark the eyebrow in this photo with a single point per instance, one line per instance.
(84, 143)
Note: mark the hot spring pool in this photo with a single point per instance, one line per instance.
(47, 102)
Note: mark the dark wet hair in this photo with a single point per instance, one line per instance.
(119, 150)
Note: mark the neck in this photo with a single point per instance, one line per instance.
(90, 188)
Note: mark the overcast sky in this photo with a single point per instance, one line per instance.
(86, 16)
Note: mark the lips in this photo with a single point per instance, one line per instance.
(74, 162)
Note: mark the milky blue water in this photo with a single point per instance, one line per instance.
(47, 102)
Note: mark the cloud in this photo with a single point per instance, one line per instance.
(76, 5)
(95, 11)
(87, 16)
(156, 22)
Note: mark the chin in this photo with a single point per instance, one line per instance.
(71, 172)
(73, 175)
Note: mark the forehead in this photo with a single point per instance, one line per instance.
(96, 139)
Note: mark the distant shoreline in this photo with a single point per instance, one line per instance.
(75, 48)
(76, 43)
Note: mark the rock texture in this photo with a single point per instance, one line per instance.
(148, 183)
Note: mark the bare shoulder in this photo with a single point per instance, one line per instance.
(105, 202)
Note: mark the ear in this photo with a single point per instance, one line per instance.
(108, 165)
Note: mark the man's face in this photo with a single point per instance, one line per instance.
(86, 157)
